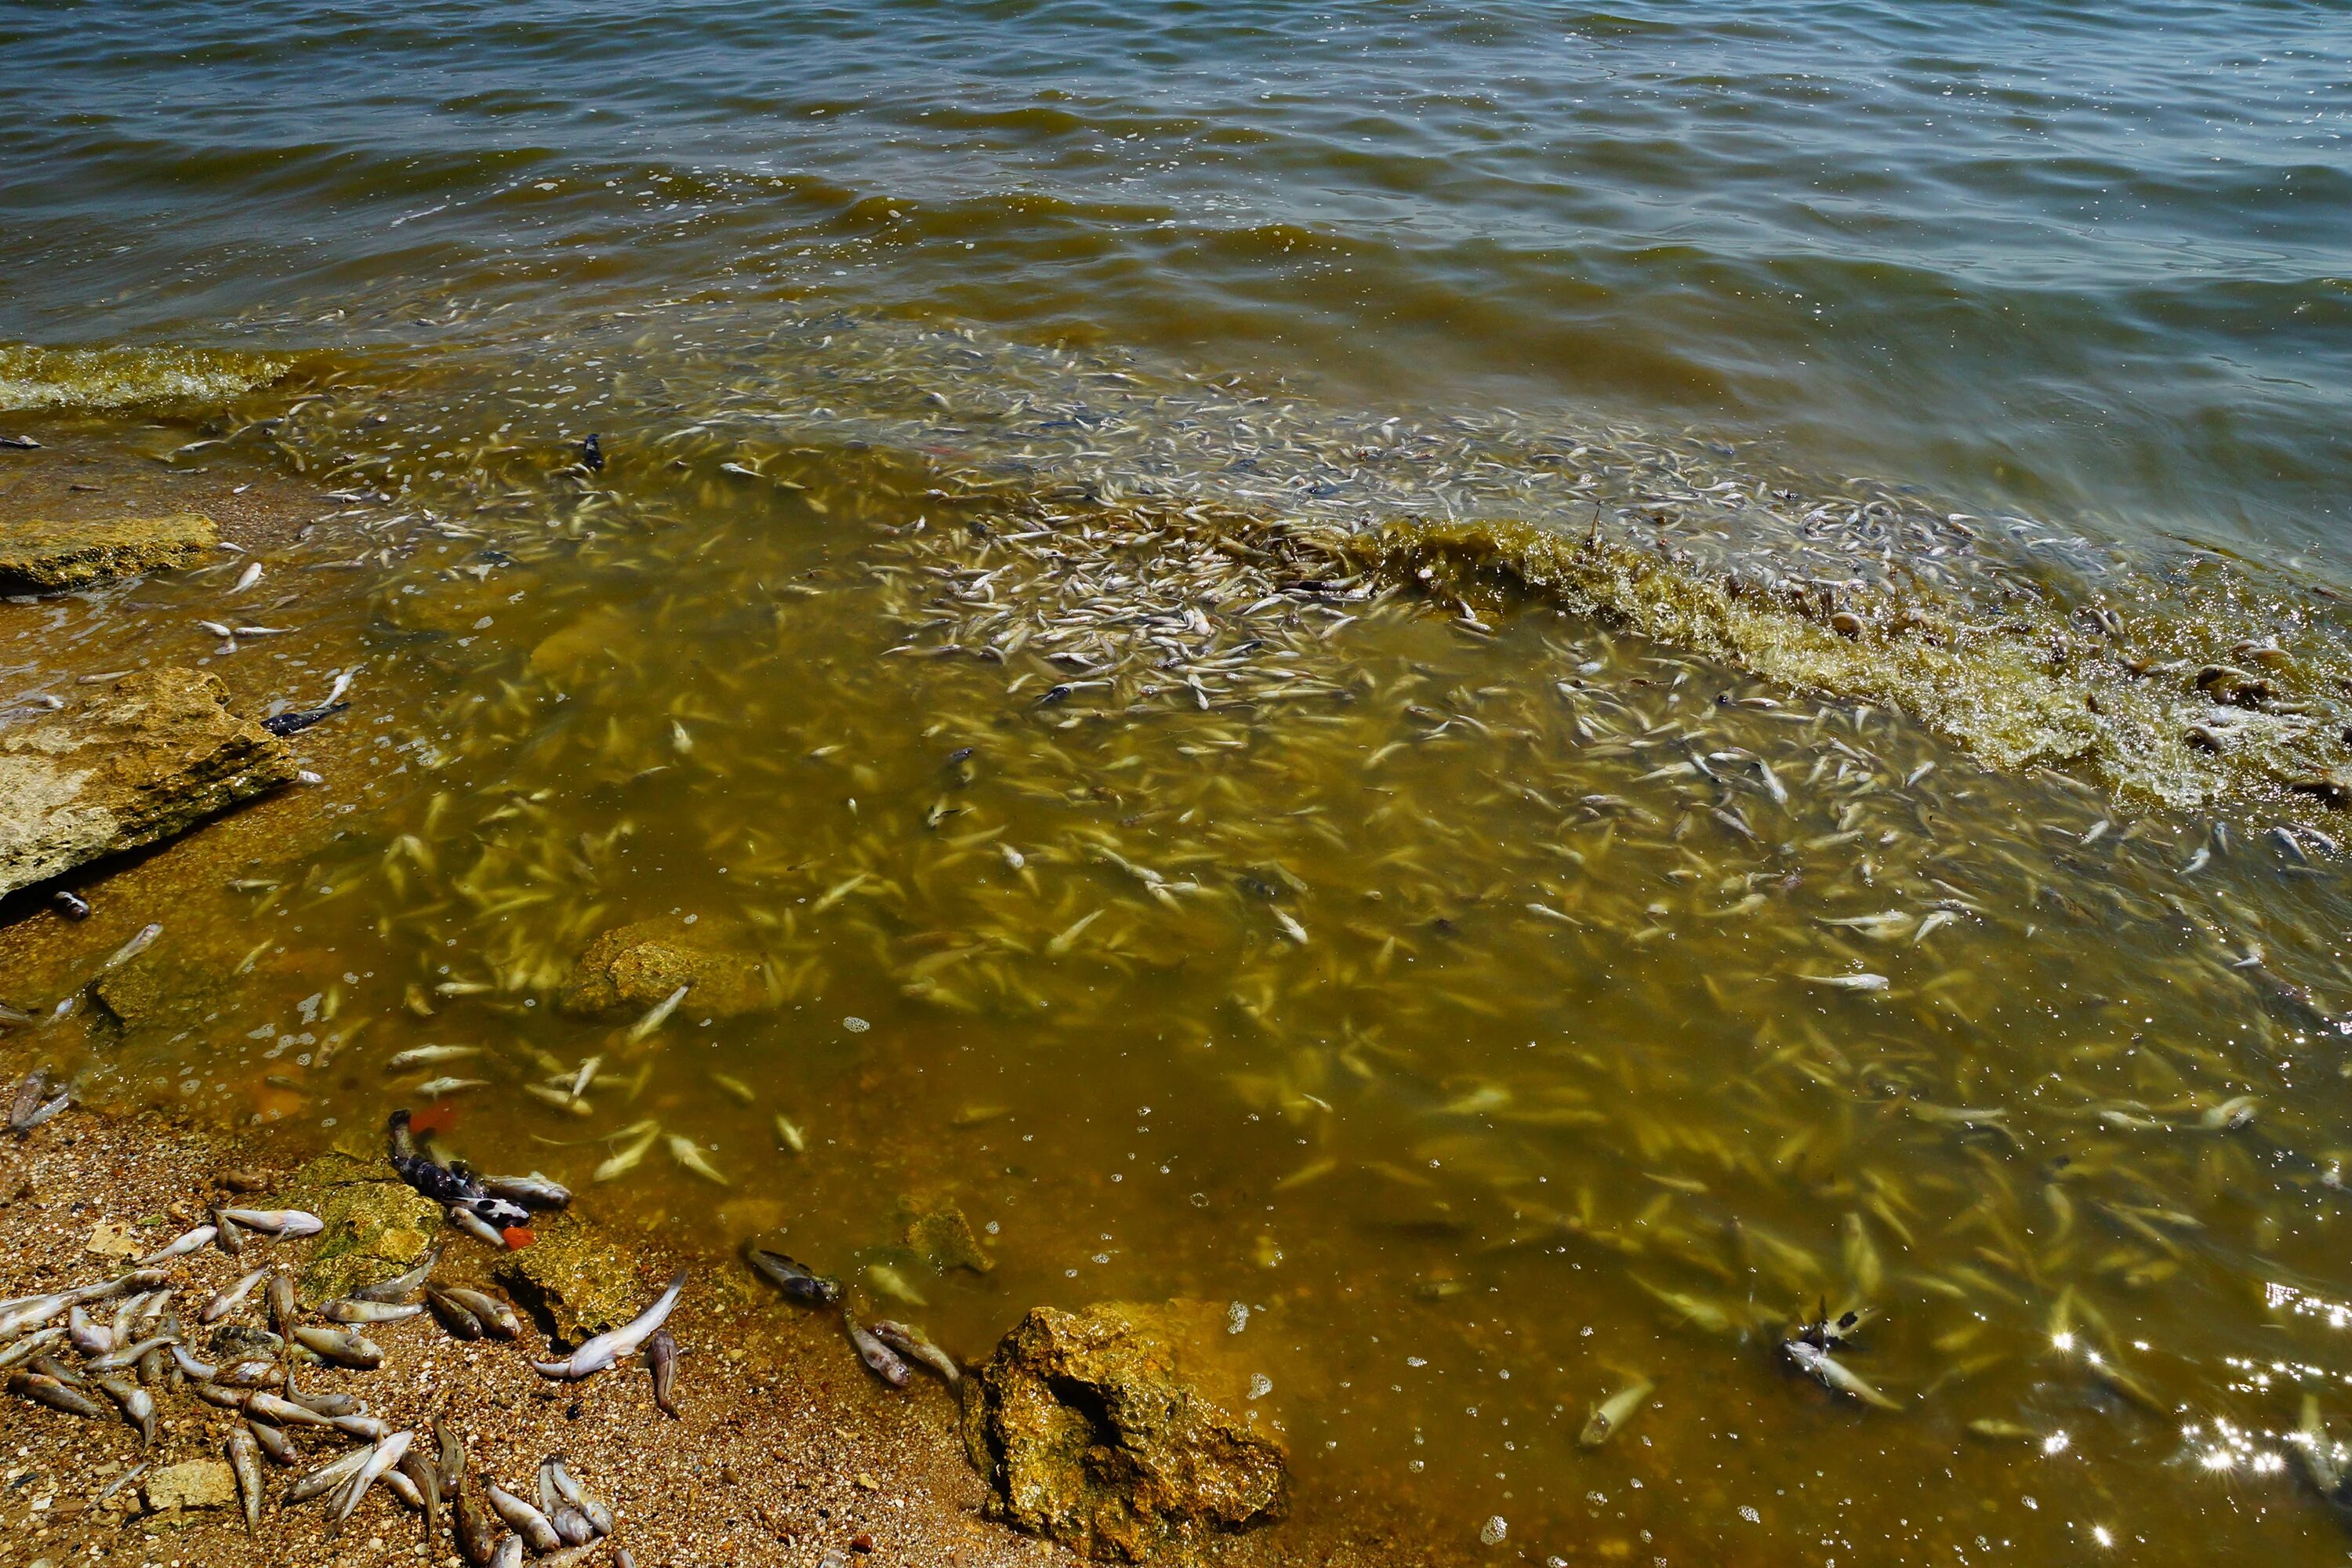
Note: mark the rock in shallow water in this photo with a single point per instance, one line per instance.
(46, 557)
(1097, 1429)
(631, 969)
(376, 1225)
(145, 761)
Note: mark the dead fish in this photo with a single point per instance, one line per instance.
(353, 1311)
(527, 1521)
(127, 1355)
(226, 1235)
(1832, 1375)
(429, 1056)
(443, 1088)
(453, 1314)
(200, 1237)
(1996, 1430)
(402, 1287)
(138, 944)
(326, 1478)
(295, 721)
(661, 1360)
(366, 1428)
(426, 1477)
(568, 1489)
(895, 1285)
(231, 1297)
(283, 1306)
(507, 1553)
(274, 1443)
(789, 1136)
(381, 1457)
(879, 1359)
(243, 1453)
(1614, 1413)
(255, 1373)
(532, 1191)
(43, 1389)
(91, 1338)
(606, 1348)
(629, 1156)
(475, 1226)
(655, 1017)
(690, 1155)
(138, 1406)
(281, 1223)
(1847, 982)
(914, 1344)
(495, 1316)
(31, 1345)
(342, 1349)
(477, 1527)
(796, 1280)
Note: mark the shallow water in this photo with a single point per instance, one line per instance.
(1159, 797)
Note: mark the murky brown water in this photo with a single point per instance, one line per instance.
(1498, 1008)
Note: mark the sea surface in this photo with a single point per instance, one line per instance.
(1547, 696)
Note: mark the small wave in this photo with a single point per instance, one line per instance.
(34, 378)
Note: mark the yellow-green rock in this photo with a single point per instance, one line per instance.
(376, 1224)
(46, 557)
(939, 1231)
(1104, 1429)
(628, 969)
(572, 1280)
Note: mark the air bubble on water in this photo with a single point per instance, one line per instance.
(1237, 1317)
(1494, 1530)
(855, 1026)
(1260, 1386)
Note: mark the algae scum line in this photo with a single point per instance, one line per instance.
(1635, 1004)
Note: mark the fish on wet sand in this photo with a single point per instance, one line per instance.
(606, 1348)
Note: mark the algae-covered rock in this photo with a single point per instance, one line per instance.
(629, 969)
(1101, 1429)
(145, 761)
(46, 557)
(376, 1224)
(160, 990)
(940, 1233)
(572, 1279)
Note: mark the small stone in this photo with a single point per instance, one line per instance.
(196, 1483)
(861, 1541)
(111, 1239)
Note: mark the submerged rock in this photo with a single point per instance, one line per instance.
(46, 557)
(1097, 1429)
(376, 1224)
(145, 761)
(572, 1281)
(629, 969)
(939, 1231)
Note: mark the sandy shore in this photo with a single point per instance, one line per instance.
(783, 1449)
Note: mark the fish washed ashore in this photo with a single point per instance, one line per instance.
(743, 1446)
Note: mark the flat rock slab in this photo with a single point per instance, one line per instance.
(144, 761)
(198, 1483)
(46, 557)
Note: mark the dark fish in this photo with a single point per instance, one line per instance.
(443, 1185)
(532, 1191)
(283, 1306)
(70, 906)
(796, 1280)
(916, 1345)
(226, 1235)
(879, 1358)
(661, 1358)
(427, 1476)
(453, 1315)
(592, 452)
(295, 722)
(451, 1456)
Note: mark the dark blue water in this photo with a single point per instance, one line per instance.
(2093, 260)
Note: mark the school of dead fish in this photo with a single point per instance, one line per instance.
(1206, 689)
